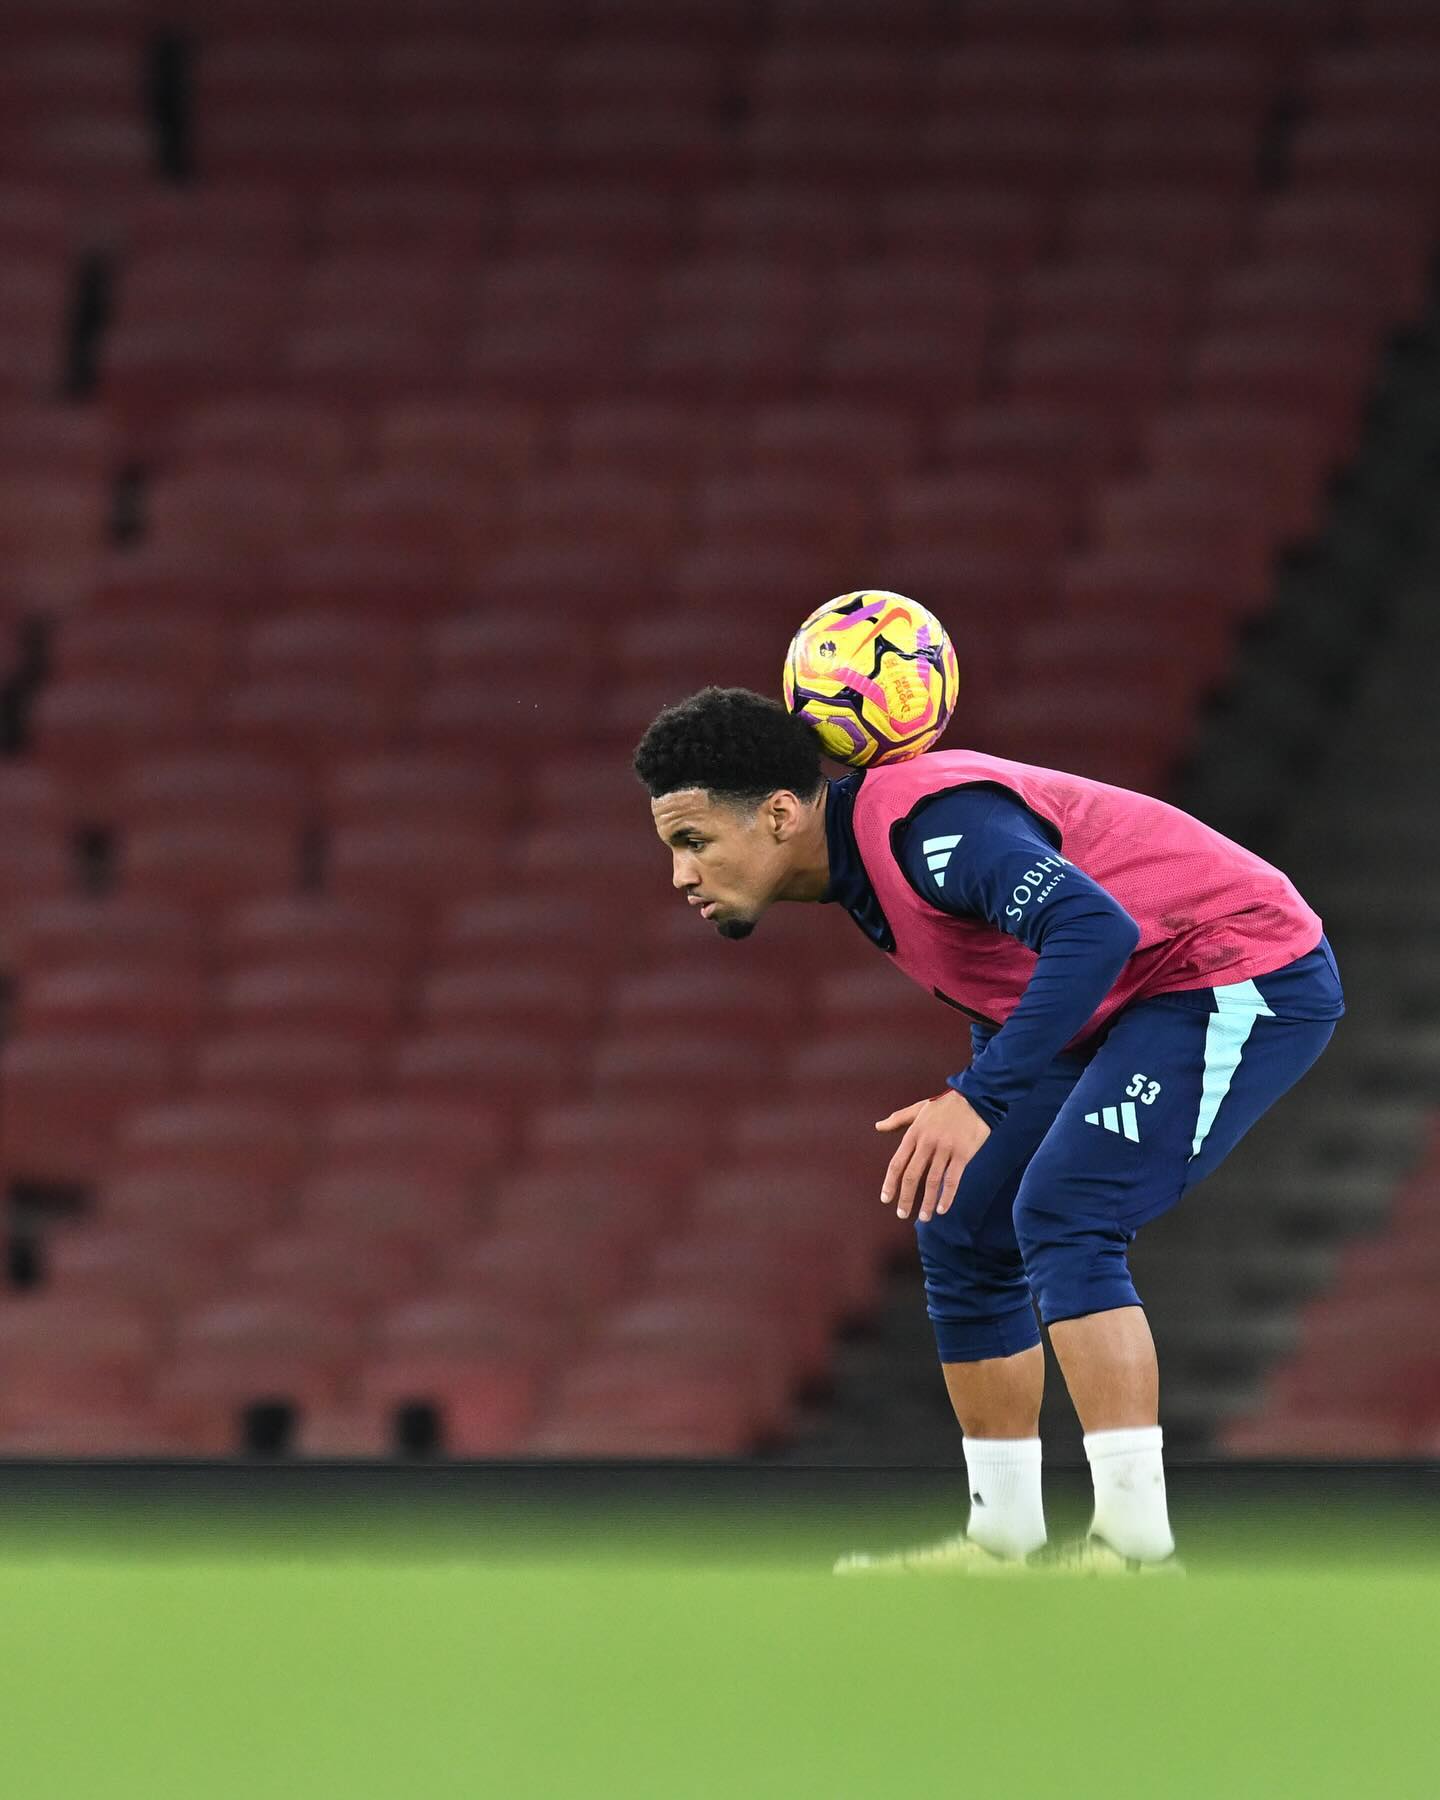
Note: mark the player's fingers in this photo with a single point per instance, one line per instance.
(890, 1181)
(934, 1186)
(914, 1174)
(907, 1115)
(950, 1185)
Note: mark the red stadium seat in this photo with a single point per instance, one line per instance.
(85, 1430)
(245, 514)
(454, 437)
(37, 217)
(367, 360)
(419, 1135)
(935, 365)
(41, 515)
(1216, 150)
(82, 1351)
(805, 511)
(416, 216)
(273, 139)
(1099, 295)
(213, 1139)
(361, 579)
(485, 1398)
(610, 1134)
(1110, 378)
(1385, 80)
(494, 995)
(63, 1095)
(733, 1000)
(651, 438)
(864, 153)
(240, 69)
(530, 924)
(150, 1268)
(509, 1066)
(596, 510)
(551, 1254)
(1050, 22)
(1224, 518)
(165, 1000)
(663, 142)
(580, 1202)
(830, 439)
(1267, 452)
(659, 1062)
(170, 647)
(1272, 26)
(425, 295)
(233, 219)
(262, 1347)
(220, 788)
(673, 1332)
(340, 998)
(367, 937)
(201, 865)
(308, 1068)
(343, 1272)
(762, 218)
(977, 512)
(1189, 79)
(197, 1214)
(311, 444)
(405, 864)
(620, 1407)
(371, 655)
(619, 221)
(302, 718)
(416, 1209)
(85, 727)
(760, 1277)
(723, 291)
(1321, 376)
(431, 790)
(70, 444)
(31, 801)
(683, 647)
(1191, 229)
(48, 934)
(1387, 234)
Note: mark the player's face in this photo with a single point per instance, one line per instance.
(728, 862)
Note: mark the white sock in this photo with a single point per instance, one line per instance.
(1007, 1516)
(1129, 1477)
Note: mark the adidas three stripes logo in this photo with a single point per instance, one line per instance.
(938, 851)
(1119, 1119)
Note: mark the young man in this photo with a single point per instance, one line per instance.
(1141, 990)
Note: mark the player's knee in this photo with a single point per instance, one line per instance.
(977, 1296)
(1075, 1265)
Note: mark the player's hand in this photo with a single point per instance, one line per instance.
(941, 1136)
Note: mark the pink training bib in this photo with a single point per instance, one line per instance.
(1209, 911)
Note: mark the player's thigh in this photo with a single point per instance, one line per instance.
(1165, 1098)
(970, 1257)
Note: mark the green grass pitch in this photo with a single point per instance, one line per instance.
(690, 1651)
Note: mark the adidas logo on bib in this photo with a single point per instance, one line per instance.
(1119, 1119)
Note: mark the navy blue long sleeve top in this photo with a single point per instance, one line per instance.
(980, 853)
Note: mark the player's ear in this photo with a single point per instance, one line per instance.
(782, 813)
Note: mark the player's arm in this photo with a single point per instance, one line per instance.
(1005, 869)
(981, 854)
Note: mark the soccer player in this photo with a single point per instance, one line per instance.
(1140, 991)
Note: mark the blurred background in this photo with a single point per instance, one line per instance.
(397, 407)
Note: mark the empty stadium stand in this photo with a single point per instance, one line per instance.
(397, 411)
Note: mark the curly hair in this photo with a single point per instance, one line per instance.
(735, 744)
